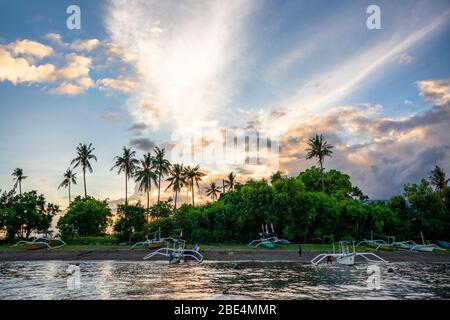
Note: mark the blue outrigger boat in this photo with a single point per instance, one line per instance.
(443, 244)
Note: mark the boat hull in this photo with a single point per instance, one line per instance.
(35, 246)
(423, 249)
(154, 245)
(268, 244)
(347, 260)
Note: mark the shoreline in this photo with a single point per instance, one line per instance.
(216, 255)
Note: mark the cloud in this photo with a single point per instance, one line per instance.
(353, 73)
(380, 153)
(184, 54)
(121, 83)
(143, 144)
(85, 45)
(68, 89)
(436, 91)
(19, 70)
(405, 58)
(56, 38)
(111, 116)
(30, 48)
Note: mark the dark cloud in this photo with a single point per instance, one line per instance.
(379, 154)
(143, 144)
(138, 128)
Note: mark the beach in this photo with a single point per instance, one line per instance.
(215, 254)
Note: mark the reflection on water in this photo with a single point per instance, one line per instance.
(158, 280)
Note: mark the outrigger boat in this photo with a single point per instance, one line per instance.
(154, 243)
(412, 246)
(268, 240)
(345, 256)
(443, 244)
(175, 250)
(41, 243)
(377, 245)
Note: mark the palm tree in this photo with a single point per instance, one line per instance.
(145, 176)
(437, 178)
(319, 149)
(18, 174)
(193, 176)
(69, 178)
(212, 191)
(230, 181)
(126, 163)
(84, 155)
(177, 180)
(162, 166)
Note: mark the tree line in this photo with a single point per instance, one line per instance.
(312, 206)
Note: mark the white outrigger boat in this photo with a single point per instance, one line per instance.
(175, 250)
(412, 246)
(41, 243)
(268, 240)
(345, 256)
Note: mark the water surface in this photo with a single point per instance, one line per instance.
(158, 280)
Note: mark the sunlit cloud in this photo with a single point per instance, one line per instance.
(185, 54)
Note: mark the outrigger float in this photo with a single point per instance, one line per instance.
(175, 250)
(41, 243)
(268, 240)
(345, 256)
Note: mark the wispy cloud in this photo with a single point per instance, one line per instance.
(185, 54)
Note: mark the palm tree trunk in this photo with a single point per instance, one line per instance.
(20, 187)
(223, 185)
(321, 175)
(148, 205)
(176, 195)
(159, 186)
(126, 188)
(84, 181)
(69, 193)
(192, 183)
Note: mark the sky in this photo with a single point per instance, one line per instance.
(185, 74)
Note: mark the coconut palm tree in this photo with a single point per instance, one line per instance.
(230, 181)
(212, 191)
(319, 149)
(126, 163)
(145, 175)
(437, 178)
(161, 165)
(18, 174)
(69, 178)
(177, 180)
(84, 155)
(193, 177)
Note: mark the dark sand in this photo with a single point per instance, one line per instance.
(224, 255)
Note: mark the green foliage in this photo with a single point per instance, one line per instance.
(131, 218)
(430, 209)
(20, 215)
(161, 209)
(336, 184)
(85, 217)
